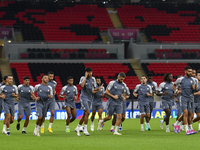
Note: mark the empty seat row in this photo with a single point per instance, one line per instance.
(34, 50)
(174, 56)
(41, 55)
(177, 50)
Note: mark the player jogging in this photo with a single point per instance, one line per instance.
(1, 99)
(44, 92)
(187, 85)
(197, 101)
(26, 91)
(154, 87)
(8, 93)
(144, 92)
(166, 92)
(88, 83)
(71, 94)
(127, 95)
(116, 92)
(51, 102)
(97, 102)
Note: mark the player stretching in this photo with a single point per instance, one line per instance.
(87, 83)
(97, 102)
(8, 93)
(187, 85)
(127, 95)
(154, 87)
(26, 91)
(1, 99)
(71, 94)
(144, 93)
(167, 96)
(51, 102)
(197, 101)
(44, 92)
(116, 92)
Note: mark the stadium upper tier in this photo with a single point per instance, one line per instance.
(51, 22)
(163, 22)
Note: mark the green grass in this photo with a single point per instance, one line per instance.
(132, 138)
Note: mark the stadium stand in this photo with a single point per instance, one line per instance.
(51, 22)
(106, 71)
(174, 54)
(163, 22)
(67, 53)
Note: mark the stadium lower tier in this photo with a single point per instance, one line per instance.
(106, 71)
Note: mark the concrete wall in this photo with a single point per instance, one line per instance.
(13, 48)
(139, 51)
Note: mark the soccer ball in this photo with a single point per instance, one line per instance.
(81, 128)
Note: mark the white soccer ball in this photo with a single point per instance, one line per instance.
(81, 128)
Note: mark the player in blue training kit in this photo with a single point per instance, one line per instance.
(166, 92)
(51, 102)
(116, 92)
(154, 87)
(197, 100)
(144, 92)
(188, 85)
(97, 104)
(71, 94)
(87, 83)
(9, 92)
(26, 93)
(44, 92)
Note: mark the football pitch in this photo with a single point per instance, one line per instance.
(132, 137)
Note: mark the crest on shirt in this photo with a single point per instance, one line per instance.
(67, 91)
(166, 87)
(22, 91)
(74, 90)
(29, 91)
(191, 81)
(122, 87)
(147, 88)
(115, 87)
(13, 89)
(40, 90)
(48, 90)
(5, 90)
